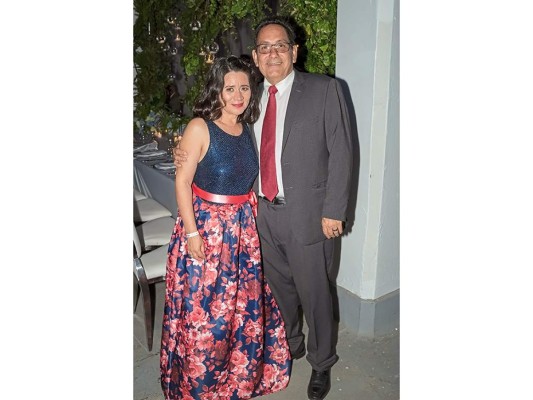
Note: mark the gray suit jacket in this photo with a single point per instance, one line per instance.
(316, 155)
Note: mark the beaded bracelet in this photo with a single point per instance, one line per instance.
(192, 234)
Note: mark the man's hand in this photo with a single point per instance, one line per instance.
(332, 228)
(180, 156)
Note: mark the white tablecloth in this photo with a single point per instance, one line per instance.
(156, 184)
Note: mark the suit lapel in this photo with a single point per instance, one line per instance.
(292, 110)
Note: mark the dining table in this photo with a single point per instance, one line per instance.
(154, 176)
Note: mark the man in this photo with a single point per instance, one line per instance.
(303, 188)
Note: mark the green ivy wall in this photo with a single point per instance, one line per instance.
(175, 40)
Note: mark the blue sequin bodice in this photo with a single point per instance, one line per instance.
(230, 165)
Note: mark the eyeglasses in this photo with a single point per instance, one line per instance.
(280, 47)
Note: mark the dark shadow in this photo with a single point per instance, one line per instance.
(301, 41)
(333, 270)
(336, 314)
(352, 202)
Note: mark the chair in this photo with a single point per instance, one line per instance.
(156, 232)
(148, 209)
(148, 269)
(138, 195)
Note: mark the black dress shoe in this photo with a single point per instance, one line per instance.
(319, 385)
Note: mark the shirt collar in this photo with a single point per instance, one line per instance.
(282, 85)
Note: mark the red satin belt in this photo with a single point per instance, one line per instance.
(228, 199)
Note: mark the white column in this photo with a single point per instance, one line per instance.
(367, 60)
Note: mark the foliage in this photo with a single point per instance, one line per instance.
(319, 21)
(152, 64)
(217, 24)
(157, 123)
(175, 40)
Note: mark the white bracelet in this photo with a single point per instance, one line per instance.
(192, 234)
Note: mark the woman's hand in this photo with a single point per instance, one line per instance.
(196, 248)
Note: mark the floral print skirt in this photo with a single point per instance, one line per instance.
(223, 336)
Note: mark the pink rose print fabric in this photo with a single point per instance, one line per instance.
(223, 336)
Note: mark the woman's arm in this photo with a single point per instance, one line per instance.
(195, 142)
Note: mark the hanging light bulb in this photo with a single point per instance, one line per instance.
(213, 48)
(210, 58)
(173, 51)
(195, 25)
(171, 20)
(160, 39)
(179, 38)
(171, 77)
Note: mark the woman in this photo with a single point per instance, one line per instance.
(223, 335)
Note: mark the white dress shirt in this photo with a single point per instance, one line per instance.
(282, 100)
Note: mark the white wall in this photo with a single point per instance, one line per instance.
(367, 60)
(388, 269)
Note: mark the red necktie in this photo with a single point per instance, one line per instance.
(269, 182)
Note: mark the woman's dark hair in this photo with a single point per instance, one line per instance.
(283, 22)
(209, 105)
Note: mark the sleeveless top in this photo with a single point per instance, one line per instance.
(230, 165)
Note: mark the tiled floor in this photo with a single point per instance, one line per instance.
(367, 369)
